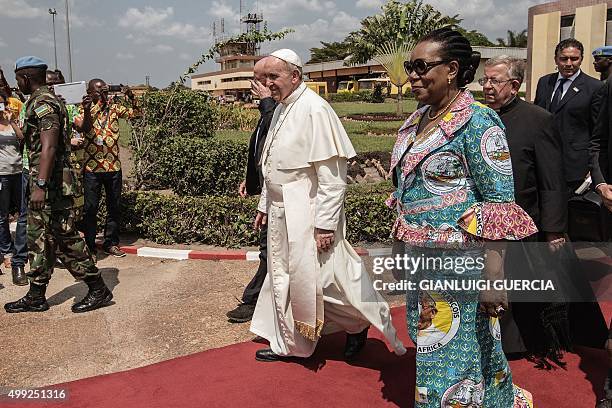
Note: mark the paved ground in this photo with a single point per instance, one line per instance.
(163, 309)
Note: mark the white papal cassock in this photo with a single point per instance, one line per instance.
(304, 165)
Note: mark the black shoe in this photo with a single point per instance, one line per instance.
(267, 355)
(95, 299)
(354, 343)
(114, 251)
(33, 301)
(604, 403)
(19, 276)
(243, 313)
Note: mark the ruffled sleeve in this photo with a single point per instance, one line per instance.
(496, 216)
(497, 221)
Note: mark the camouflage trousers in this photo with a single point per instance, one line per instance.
(51, 235)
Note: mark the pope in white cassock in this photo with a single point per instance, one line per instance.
(314, 275)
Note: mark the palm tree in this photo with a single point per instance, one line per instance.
(400, 23)
(392, 56)
(514, 40)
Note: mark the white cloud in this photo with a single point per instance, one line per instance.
(488, 15)
(186, 57)
(293, 11)
(369, 4)
(158, 22)
(125, 56)
(19, 9)
(161, 49)
(324, 30)
(221, 9)
(146, 19)
(2, 43)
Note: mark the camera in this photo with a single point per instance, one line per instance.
(114, 88)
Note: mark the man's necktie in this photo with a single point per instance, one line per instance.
(557, 96)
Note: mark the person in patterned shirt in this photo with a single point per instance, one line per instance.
(99, 124)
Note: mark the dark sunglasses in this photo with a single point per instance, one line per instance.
(421, 67)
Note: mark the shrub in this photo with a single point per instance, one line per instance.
(377, 95)
(227, 221)
(195, 167)
(359, 96)
(166, 114)
(236, 117)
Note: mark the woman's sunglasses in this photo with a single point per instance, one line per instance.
(421, 67)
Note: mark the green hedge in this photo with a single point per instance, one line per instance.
(227, 221)
(359, 96)
(195, 167)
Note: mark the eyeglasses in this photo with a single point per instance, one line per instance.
(494, 82)
(421, 67)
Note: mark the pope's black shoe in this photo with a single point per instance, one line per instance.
(354, 343)
(98, 296)
(33, 301)
(267, 355)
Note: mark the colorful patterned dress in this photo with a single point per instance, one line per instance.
(462, 164)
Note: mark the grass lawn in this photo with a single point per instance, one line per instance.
(125, 133)
(361, 142)
(348, 108)
(357, 130)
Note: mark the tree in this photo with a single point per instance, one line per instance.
(400, 23)
(476, 38)
(392, 56)
(165, 111)
(333, 51)
(514, 39)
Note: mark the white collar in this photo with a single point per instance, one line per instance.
(294, 95)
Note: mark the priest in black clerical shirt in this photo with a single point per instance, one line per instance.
(541, 328)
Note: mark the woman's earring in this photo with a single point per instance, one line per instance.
(449, 81)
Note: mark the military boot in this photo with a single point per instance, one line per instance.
(98, 296)
(33, 301)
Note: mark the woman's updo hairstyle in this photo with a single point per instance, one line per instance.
(455, 47)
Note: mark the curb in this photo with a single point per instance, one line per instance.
(227, 255)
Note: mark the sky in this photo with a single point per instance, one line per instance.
(122, 41)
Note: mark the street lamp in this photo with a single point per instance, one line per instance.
(53, 13)
(68, 36)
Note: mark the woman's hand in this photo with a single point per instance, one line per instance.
(494, 302)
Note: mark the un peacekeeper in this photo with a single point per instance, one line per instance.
(54, 192)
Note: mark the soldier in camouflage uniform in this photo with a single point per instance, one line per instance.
(55, 194)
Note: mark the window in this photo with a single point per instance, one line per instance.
(609, 14)
(567, 21)
(204, 83)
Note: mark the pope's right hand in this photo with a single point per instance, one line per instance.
(260, 220)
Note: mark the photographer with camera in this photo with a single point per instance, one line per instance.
(99, 124)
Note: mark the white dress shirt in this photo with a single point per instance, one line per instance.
(566, 85)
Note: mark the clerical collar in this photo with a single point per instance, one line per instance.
(294, 95)
(508, 107)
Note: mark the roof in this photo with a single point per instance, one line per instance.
(490, 52)
(486, 52)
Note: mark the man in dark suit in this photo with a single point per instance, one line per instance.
(601, 170)
(601, 148)
(252, 186)
(540, 329)
(568, 94)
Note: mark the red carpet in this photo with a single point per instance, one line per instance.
(230, 377)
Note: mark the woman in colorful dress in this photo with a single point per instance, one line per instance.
(455, 196)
